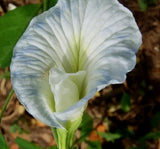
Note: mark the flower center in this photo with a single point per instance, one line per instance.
(66, 87)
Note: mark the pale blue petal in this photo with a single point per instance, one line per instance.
(93, 40)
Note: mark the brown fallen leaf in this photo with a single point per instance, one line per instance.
(158, 144)
(94, 136)
(14, 146)
(40, 124)
(53, 142)
(101, 128)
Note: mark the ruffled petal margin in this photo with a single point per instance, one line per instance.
(98, 37)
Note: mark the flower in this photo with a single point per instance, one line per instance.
(70, 52)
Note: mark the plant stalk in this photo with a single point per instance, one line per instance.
(65, 137)
(6, 103)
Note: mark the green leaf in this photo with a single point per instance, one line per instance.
(6, 103)
(23, 144)
(86, 126)
(48, 4)
(109, 136)
(142, 5)
(149, 136)
(152, 135)
(126, 102)
(3, 144)
(150, 2)
(5, 75)
(52, 147)
(94, 145)
(16, 128)
(135, 148)
(155, 120)
(12, 26)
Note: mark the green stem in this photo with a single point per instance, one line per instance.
(65, 137)
(45, 5)
(6, 103)
(54, 132)
(62, 139)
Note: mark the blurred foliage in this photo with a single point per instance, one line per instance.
(143, 140)
(20, 17)
(3, 143)
(86, 127)
(52, 147)
(16, 128)
(110, 136)
(5, 75)
(23, 144)
(155, 120)
(12, 25)
(48, 4)
(94, 145)
(126, 102)
(143, 4)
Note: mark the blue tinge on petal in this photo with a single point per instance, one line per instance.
(73, 50)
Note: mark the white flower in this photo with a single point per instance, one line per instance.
(68, 53)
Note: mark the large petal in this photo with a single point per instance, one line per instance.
(109, 40)
(98, 37)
